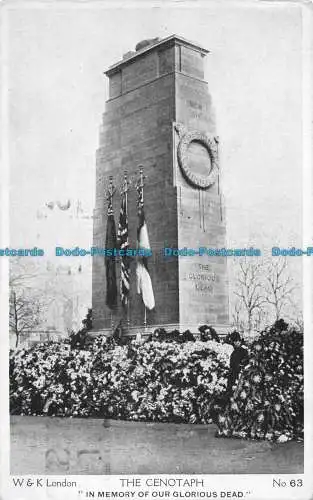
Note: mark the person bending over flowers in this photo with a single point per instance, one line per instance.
(208, 333)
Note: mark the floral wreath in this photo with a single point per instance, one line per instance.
(211, 145)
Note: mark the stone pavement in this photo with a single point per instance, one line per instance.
(47, 445)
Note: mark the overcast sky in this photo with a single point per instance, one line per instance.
(57, 56)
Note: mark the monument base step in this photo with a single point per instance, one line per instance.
(144, 331)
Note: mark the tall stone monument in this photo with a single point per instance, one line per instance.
(159, 115)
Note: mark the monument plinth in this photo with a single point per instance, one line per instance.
(159, 115)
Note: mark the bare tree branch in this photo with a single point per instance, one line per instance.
(249, 289)
(279, 286)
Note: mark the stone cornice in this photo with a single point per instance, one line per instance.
(165, 42)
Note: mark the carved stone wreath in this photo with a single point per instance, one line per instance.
(211, 145)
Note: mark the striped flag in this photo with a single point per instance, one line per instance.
(122, 236)
(110, 264)
(144, 284)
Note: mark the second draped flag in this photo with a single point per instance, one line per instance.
(122, 236)
(144, 284)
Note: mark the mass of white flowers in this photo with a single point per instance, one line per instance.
(150, 381)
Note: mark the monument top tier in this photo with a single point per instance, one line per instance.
(153, 59)
(145, 47)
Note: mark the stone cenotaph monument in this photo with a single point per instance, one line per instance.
(159, 116)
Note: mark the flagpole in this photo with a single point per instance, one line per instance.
(128, 320)
(126, 203)
(144, 285)
(145, 319)
(110, 194)
(141, 185)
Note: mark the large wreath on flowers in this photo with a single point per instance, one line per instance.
(210, 143)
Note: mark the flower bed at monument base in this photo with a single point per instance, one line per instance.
(153, 381)
(167, 382)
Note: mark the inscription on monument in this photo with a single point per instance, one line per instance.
(203, 288)
(195, 109)
(201, 278)
(194, 104)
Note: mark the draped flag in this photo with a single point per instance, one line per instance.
(110, 264)
(122, 236)
(144, 284)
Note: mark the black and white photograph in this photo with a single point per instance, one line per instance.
(155, 250)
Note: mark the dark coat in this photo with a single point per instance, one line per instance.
(238, 359)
